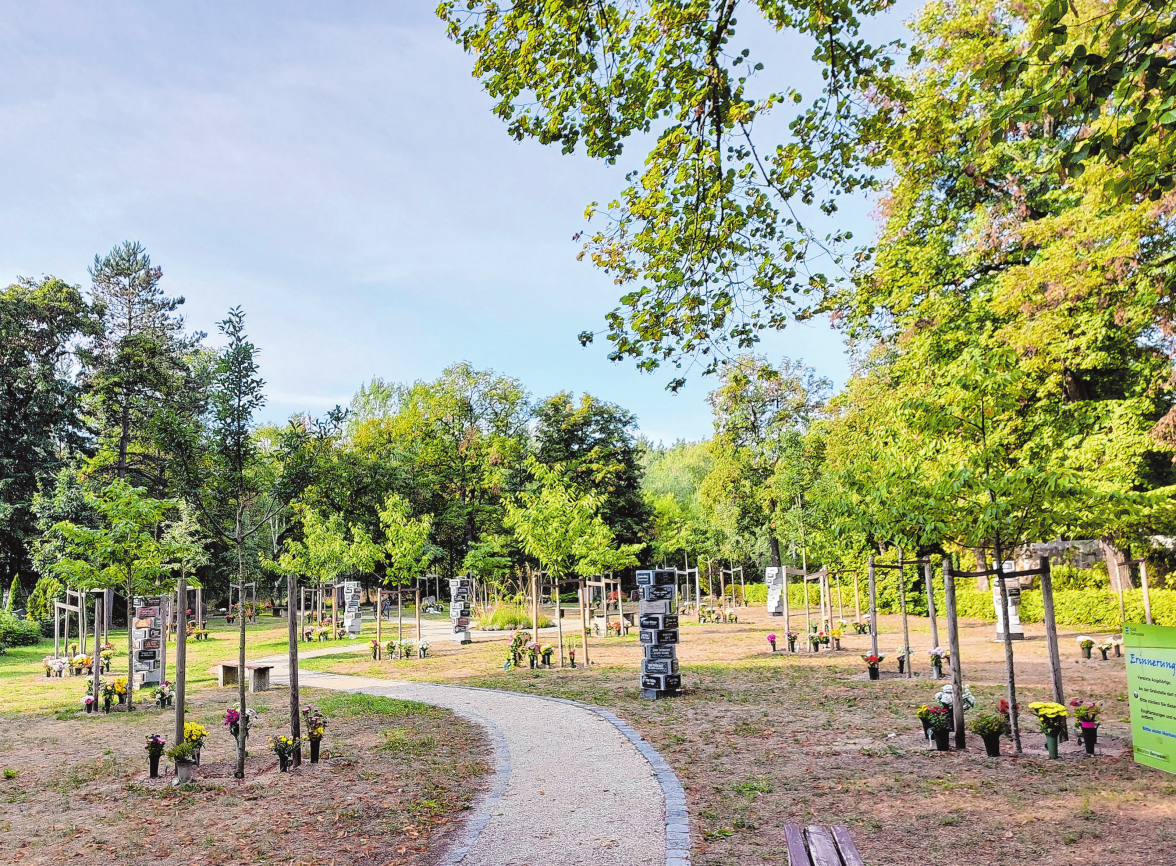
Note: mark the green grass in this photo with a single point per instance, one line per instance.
(506, 617)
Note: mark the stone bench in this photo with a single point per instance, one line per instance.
(259, 675)
(820, 846)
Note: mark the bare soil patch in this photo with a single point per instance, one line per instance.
(389, 792)
(762, 739)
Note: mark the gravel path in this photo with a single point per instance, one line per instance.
(573, 785)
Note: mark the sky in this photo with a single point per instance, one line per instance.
(335, 170)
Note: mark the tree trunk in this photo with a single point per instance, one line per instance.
(130, 646)
(1118, 570)
(1008, 648)
(242, 728)
(181, 654)
(292, 662)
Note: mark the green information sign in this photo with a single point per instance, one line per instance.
(1151, 682)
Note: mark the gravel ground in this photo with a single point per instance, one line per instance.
(571, 787)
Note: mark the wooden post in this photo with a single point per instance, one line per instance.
(906, 635)
(399, 616)
(1146, 597)
(808, 620)
(857, 601)
(1051, 631)
(787, 611)
(418, 610)
(558, 620)
(742, 587)
(1122, 612)
(722, 592)
(621, 606)
(57, 630)
(928, 574)
(181, 654)
(840, 599)
(583, 621)
(166, 601)
(379, 621)
(1010, 675)
(292, 638)
(873, 608)
(535, 607)
(953, 647)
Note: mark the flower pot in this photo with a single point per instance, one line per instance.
(314, 749)
(106, 705)
(791, 644)
(1086, 651)
(991, 744)
(424, 652)
(901, 664)
(773, 643)
(90, 707)
(573, 662)
(1104, 654)
(184, 771)
(122, 699)
(1089, 738)
(942, 740)
(926, 729)
(816, 647)
(375, 653)
(874, 672)
(283, 763)
(1118, 653)
(1051, 745)
(532, 660)
(836, 643)
(153, 760)
(937, 669)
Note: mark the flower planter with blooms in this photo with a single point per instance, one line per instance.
(817, 638)
(903, 654)
(195, 735)
(422, 648)
(390, 649)
(872, 663)
(572, 656)
(1104, 648)
(792, 638)
(88, 703)
(938, 724)
(938, 656)
(546, 652)
(835, 635)
(375, 645)
(107, 657)
(1086, 644)
(186, 758)
(1117, 642)
(154, 747)
(316, 726)
(923, 714)
(1052, 717)
(164, 694)
(989, 727)
(284, 747)
(120, 689)
(772, 641)
(532, 648)
(861, 627)
(233, 720)
(108, 696)
(1086, 721)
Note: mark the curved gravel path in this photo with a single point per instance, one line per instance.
(573, 783)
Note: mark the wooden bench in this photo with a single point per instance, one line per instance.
(259, 675)
(830, 846)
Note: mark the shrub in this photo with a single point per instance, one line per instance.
(506, 617)
(985, 723)
(18, 632)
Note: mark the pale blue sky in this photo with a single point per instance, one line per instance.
(334, 169)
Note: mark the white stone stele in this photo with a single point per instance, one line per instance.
(461, 592)
(1013, 588)
(774, 578)
(351, 617)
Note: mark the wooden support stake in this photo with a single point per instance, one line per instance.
(379, 621)
(840, 599)
(1051, 631)
(558, 621)
(906, 636)
(418, 611)
(292, 638)
(534, 607)
(787, 610)
(953, 648)
(583, 621)
(928, 578)
(873, 608)
(857, 600)
(1146, 596)
(1010, 675)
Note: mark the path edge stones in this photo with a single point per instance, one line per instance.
(677, 813)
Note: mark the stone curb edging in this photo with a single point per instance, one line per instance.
(676, 808)
(677, 811)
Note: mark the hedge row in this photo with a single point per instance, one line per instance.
(1093, 607)
(18, 632)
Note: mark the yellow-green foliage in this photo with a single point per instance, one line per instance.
(505, 617)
